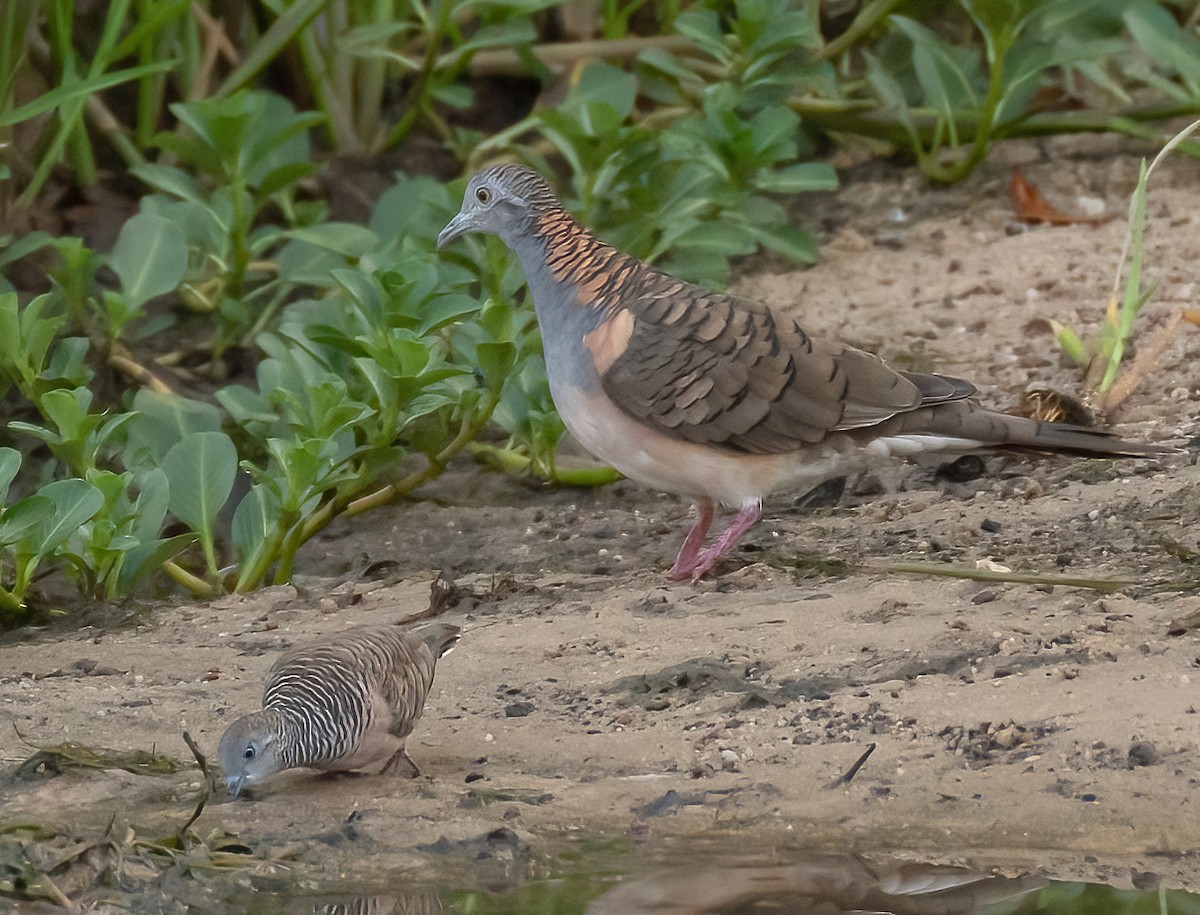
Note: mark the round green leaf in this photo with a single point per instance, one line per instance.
(150, 257)
(200, 469)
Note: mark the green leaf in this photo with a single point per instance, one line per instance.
(285, 176)
(703, 27)
(150, 509)
(941, 71)
(495, 360)
(78, 90)
(602, 99)
(795, 243)
(271, 43)
(13, 250)
(799, 178)
(74, 501)
(68, 410)
(1156, 31)
(446, 309)
(143, 560)
(150, 257)
(200, 468)
(255, 515)
(161, 421)
(26, 334)
(22, 517)
(717, 238)
(1074, 347)
(344, 238)
(171, 181)
(246, 406)
(10, 463)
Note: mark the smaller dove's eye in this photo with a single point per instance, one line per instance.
(483, 195)
(248, 753)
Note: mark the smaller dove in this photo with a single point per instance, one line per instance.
(343, 702)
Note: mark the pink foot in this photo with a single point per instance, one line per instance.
(700, 565)
(690, 551)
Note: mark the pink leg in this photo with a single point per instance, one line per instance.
(688, 553)
(746, 518)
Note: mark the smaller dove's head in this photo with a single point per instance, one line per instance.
(502, 200)
(249, 751)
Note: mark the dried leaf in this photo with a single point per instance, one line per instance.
(1031, 206)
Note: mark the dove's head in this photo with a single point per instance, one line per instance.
(250, 751)
(504, 200)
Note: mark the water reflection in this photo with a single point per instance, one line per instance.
(819, 885)
(603, 880)
(419, 902)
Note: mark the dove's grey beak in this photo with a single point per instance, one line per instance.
(457, 226)
(235, 783)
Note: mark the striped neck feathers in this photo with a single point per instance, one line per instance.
(571, 255)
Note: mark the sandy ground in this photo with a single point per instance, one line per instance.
(1049, 729)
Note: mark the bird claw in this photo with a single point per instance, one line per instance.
(401, 764)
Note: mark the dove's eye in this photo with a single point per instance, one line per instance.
(483, 195)
(248, 753)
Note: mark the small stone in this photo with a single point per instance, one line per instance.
(1142, 753)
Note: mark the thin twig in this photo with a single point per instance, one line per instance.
(204, 794)
(845, 777)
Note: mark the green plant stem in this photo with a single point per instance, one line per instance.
(195, 585)
(466, 434)
(997, 49)
(239, 235)
(371, 83)
(558, 56)
(287, 546)
(420, 86)
(515, 462)
(869, 16)
(292, 22)
(253, 576)
(293, 538)
(110, 127)
(9, 603)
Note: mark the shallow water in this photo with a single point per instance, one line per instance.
(605, 880)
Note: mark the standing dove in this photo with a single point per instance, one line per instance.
(714, 397)
(343, 702)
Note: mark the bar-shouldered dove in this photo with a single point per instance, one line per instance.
(716, 397)
(343, 702)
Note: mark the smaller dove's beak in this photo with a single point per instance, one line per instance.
(235, 783)
(457, 226)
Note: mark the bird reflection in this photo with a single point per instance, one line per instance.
(415, 903)
(816, 886)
